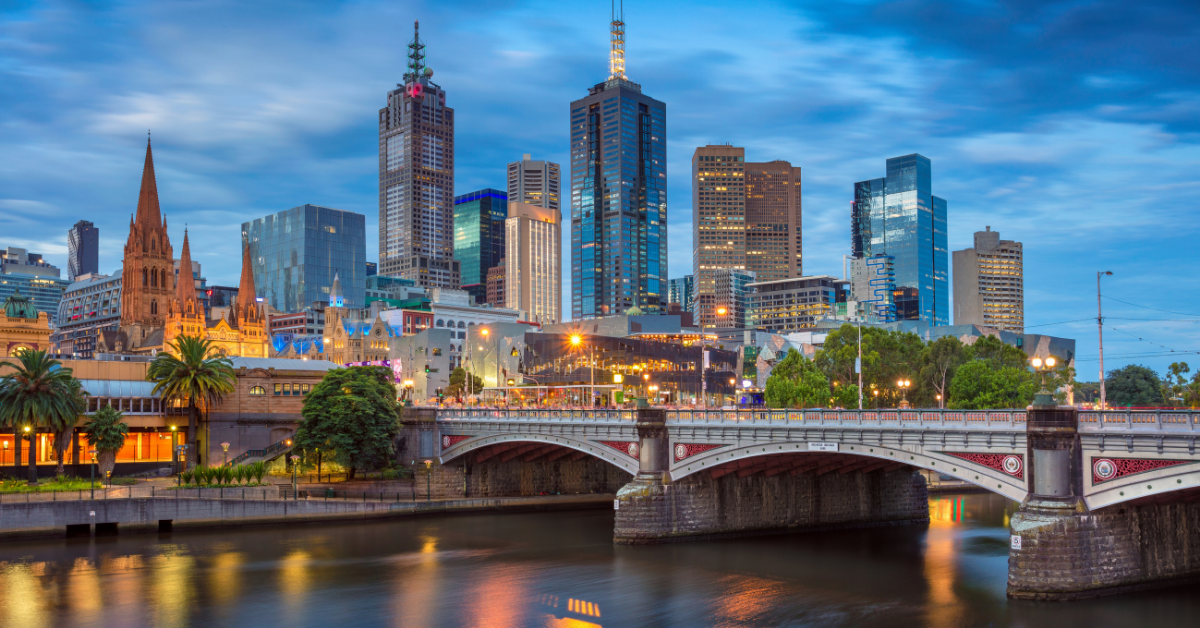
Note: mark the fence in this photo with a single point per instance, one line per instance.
(260, 493)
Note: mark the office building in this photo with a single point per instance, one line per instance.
(479, 237)
(786, 305)
(297, 252)
(730, 299)
(83, 250)
(873, 287)
(91, 304)
(372, 269)
(533, 262)
(773, 220)
(898, 215)
(416, 179)
(618, 195)
(34, 277)
(682, 291)
(989, 283)
(496, 294)
(534, 182)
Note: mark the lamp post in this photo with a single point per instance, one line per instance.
(577, 342)
(904, 385)
(175, 451)
(1044, 397)
(92, 466)
(32, 456)
(295, 492)
(1100, 330)
(408, 387)
(939, 400)
(876, 398)
(224, 454)
(428, 465)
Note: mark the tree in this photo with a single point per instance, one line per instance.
(352, 415)
(64, 433)
(1062, 377)
(997, 354)
(888, 356)
(977, 385)
(106, 434)
(41, 394)
(1175, 384)
(797, 383)
(458, 383)
(1133, 385)
(939, 360)
(198, 375)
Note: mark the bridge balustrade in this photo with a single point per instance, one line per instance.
(1139, 421)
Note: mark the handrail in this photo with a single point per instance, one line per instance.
(259, 453)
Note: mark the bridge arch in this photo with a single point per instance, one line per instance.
(1112, 478)
(797, 457)
(530, 447)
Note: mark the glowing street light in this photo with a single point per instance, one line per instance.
(1043, 397)
(904, 385)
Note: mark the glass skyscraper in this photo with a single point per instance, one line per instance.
(899, 216)
(618, 196)
(479, 233)
(83, 250)
(297, 252)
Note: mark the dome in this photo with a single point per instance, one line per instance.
(428, 72)
(634, 311)
(18, 305)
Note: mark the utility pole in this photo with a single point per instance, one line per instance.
(1100, 329)
(858, 363)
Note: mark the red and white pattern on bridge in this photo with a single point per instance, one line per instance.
(628, 448)
(450, 441)
(687, 450)
(1009, 464)
(1109, 469)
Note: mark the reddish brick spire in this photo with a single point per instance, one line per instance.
(147, 210)
(185, 285)
(247, 301)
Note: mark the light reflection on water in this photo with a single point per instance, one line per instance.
(554, 570)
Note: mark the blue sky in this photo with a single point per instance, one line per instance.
(1070, 126)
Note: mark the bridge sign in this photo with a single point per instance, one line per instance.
(822, 446)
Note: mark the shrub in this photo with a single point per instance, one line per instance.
(187, 476)
(123, 481)
(239, 473)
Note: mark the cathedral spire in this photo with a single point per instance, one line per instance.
(185, 284)
(247, 297)
(147, 209)
(335, 292)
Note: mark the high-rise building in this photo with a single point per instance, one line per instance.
(898, 215)
(416, 179)
(83, 250)
(873, 287)
(730, 299)
(297, 252)
(773, 220)
(35, 278)
(372, 269)
(534, 182)
(495, 294)
(989, 283)
(479, 236)
(682, 291)
(618, 195)
(533, 262)
(786, 305)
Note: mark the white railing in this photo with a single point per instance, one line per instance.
(1139, 421)
(895, 419)
(564, 415)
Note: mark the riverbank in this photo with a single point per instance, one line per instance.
(175, 514)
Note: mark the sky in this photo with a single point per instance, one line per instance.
(1073, 127)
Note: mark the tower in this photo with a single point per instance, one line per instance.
(147, 271)
(618, 195)
(83, 249)
(416, 178)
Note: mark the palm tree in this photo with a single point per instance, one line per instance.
(195, 372)
(106, 434)
(40, 394)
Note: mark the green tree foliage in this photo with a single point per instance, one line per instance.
(798, 383)
(1133, 385)
(40, 394)
(1175, 383)
(64, 432)
(457, 387)
(352, 415)
(998, 355)
(939, 361)
(978, 385)
(106, 434)
(194, 372)
(888, 356)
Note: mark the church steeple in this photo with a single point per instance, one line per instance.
(247, 303)
(185, 285)
(148, 213)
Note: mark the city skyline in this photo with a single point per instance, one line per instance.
(1096, 154)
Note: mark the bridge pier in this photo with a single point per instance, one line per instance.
(1062, 550)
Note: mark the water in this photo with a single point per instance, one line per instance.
(549, 570)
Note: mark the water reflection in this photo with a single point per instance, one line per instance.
(548, 569)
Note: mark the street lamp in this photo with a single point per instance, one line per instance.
(408, 387)
(1100, 330)
(1043, 397)
(428, 464)
(939, 400)
(224, 454)
(295, 461)
(92, 466)
(577, 342)
(876, 398)
(175, 452)
(32, 457)
(904, 385)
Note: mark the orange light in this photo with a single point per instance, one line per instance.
(721, 311)
(576, 340)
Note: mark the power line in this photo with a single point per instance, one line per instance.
(1149, 308)
(1140, 338)
(1059, 323)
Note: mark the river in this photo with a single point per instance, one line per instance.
(550, 570)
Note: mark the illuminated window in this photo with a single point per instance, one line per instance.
(278, 389)
(258, 390)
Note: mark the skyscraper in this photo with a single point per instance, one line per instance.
(534, 182)
(479, 237)
(533, 262)
(83, 250)
(773, 220)
(898, 215)
(416, 178)
(989, 283)
(682, 291)
(618, 195)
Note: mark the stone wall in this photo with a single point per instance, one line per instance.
(514, 478)
(1068, 554)
(650, 511)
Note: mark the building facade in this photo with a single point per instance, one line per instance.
(496, 295)
(83, 250)
(786, 305)
(873, 287)
(22, 326)
(297, 252)
(534, 182)
(731, 293)
(240, 331)
(898, 215)
(618, 195)
(147, 271)
(533, 262)
(479, 235)
(989, 283)
(682, 291)
(34, 277)
(90, 305)
(774, 249)
(416, 178)
(718, 221)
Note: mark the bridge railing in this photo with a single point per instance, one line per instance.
(918, 418)
(566, 415)
(1139, 420)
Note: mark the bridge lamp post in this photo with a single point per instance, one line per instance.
(876, 398)
(1100, 330)
(939, 400)
(174, 450)
(428, 464)
(295, 464)
(904, 385)
(1043, 397)
(224, 454)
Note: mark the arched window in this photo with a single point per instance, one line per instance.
(153, 306)
(461, 325)
(441, 323)
(145, 278)
(153, 278)
(258, 390)
(450, 324)
(153, 245)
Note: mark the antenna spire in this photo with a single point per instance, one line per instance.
(416, 54)
(616, 56)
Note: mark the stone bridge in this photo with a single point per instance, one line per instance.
(1107, 497)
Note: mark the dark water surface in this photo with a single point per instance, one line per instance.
(550, 569)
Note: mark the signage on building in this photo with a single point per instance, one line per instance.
(822, 446)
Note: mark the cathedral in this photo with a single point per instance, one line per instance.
(156, 309)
